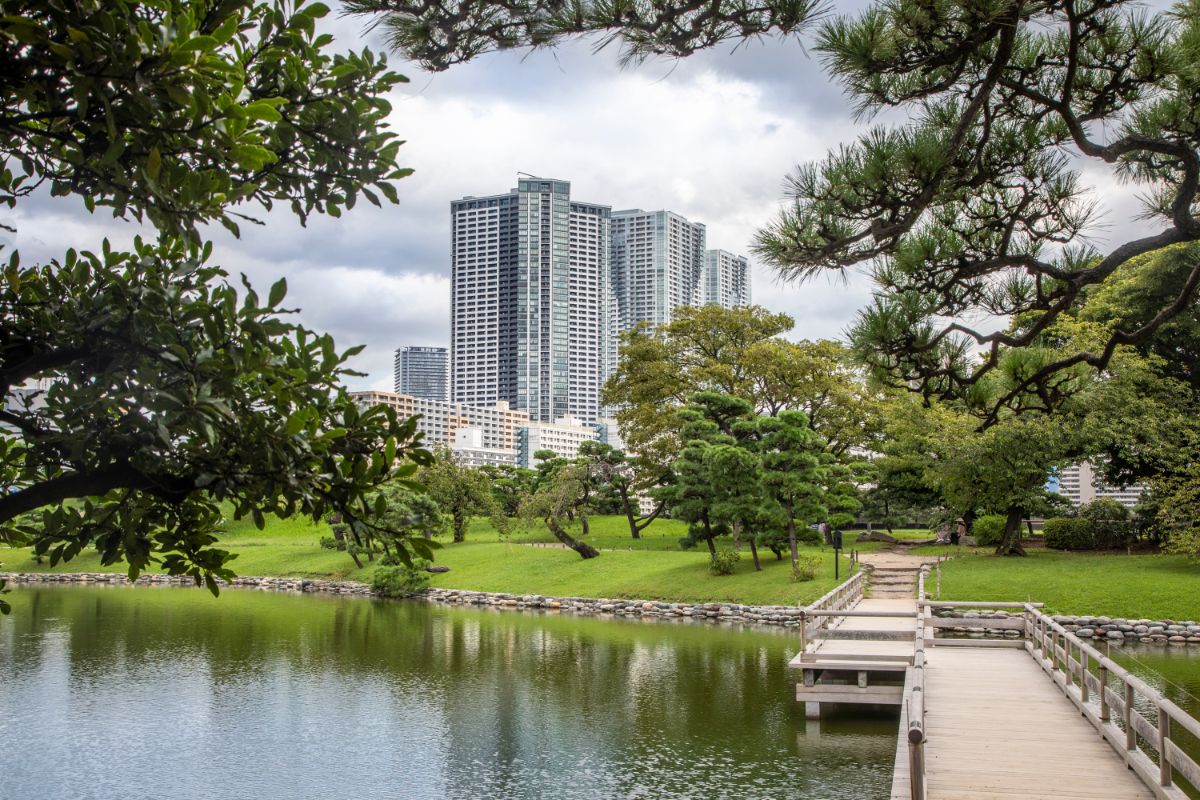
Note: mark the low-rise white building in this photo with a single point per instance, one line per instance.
(469, 449)
(497, 424)
(1080, 484)
(561, 437)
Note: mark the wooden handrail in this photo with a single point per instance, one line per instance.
(916, 701)
(974, 604)
(1079, 684)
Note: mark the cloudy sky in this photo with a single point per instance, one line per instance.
(711, 137)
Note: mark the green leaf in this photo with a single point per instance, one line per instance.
(153, 163)
(197, 44)
(262, 110)
(277, 293)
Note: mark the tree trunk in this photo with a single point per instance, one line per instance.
(634, 530)
(583, 523)
(1010, 542)
(754, 555)
(708, 537)
(792, 537)
(968, 519)
(584, 549)
(460, 528)
(1029, 525)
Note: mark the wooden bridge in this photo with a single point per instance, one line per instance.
(1039, 715)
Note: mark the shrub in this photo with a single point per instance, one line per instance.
(1069, 533)
(805, 569)
(400, 581)
(1104, 509)
(1110, 520)
(333, 543)
(687, 543)
(989, 530)
(723, 562)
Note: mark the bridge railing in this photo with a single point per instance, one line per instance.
(826, 609)
(915, 700)
(1108, 695)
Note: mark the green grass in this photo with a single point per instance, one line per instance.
(651, 568)
(1151, 586)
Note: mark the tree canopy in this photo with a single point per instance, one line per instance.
(740, 353)
(145, 394)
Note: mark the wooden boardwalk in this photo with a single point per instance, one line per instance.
(992, 719)
(998, 728)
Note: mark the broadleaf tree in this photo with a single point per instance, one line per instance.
(144, 392)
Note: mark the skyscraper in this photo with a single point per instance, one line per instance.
(529, 300)
(657, 265)
(422, 372)
(726, 279)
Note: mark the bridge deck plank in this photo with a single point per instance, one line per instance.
(999, 729)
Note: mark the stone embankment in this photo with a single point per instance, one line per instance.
(786, 616)
(1112, 629)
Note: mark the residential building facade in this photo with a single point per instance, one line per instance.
(529, 293)
(561, 437)
(726, 279)
(497, 424)
(468, 447)
(1080, 484)
(423, 372)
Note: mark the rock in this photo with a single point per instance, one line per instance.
(876, 536)
(437, 568)
(1085, 633)
(1114, 635)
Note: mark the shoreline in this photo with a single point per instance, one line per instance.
(1117, 630)
(735, 613)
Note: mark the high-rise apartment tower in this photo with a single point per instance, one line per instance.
(423, 372)
(726, 279)
(530, 297)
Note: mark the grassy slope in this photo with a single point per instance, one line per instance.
(651, 568)
(1155, 586)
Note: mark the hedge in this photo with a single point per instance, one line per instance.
(1069, 533)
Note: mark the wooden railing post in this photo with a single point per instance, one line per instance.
(1164, 731)
(1105, 711)
(916, 769)
(1083, 675)
(1127, 718)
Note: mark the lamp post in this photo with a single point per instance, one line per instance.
(836, 536)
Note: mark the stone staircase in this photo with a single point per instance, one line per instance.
(893, 582)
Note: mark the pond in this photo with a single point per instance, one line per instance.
(169, 693)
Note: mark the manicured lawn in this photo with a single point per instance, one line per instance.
(1152, 586)
(651, 568)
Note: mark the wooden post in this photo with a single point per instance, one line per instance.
(916, 770)
(1105, 711)
(1130, 733)
(1164, 731)
(803, 632)
(1083, 675)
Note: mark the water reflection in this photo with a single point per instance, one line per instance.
(166, 693)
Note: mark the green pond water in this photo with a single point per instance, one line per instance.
(169, 693)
